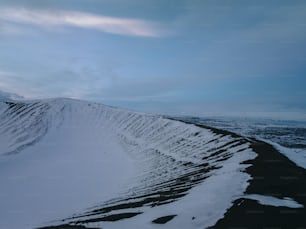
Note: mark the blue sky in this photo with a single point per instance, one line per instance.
(192, 57)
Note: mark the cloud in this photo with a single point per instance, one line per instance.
(11, 29)
(78, 81)
(9, 82)
(113, 25)
(285, 25)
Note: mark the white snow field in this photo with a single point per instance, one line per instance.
(64, 161)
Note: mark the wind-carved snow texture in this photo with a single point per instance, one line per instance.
(175, 157)
(182, 170)
(21, 125)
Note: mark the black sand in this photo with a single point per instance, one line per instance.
(163, 220)
(275, 175)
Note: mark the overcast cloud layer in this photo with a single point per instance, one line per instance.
(59, 18)
(180, 57)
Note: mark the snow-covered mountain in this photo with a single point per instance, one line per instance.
(73, 164)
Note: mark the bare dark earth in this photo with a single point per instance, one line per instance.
(163, 220)
(69, 227)
(274, 175)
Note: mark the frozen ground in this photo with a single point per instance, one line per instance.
(63, 158)
(69, 162)
(289, 137)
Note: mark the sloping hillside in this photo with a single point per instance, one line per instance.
(68, 162)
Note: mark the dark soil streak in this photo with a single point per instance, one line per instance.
(163, 220)
(67, 226)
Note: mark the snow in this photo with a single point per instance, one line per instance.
(284, 135)
(3, 107)
(71, 168)
(298, 156)
(204, 205)
(60, 157)
(273, 201)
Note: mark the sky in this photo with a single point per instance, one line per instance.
(179, 57)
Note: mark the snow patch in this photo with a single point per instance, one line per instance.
(273, 201)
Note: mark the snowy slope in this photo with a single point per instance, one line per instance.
(289, 137)
(64, 161)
